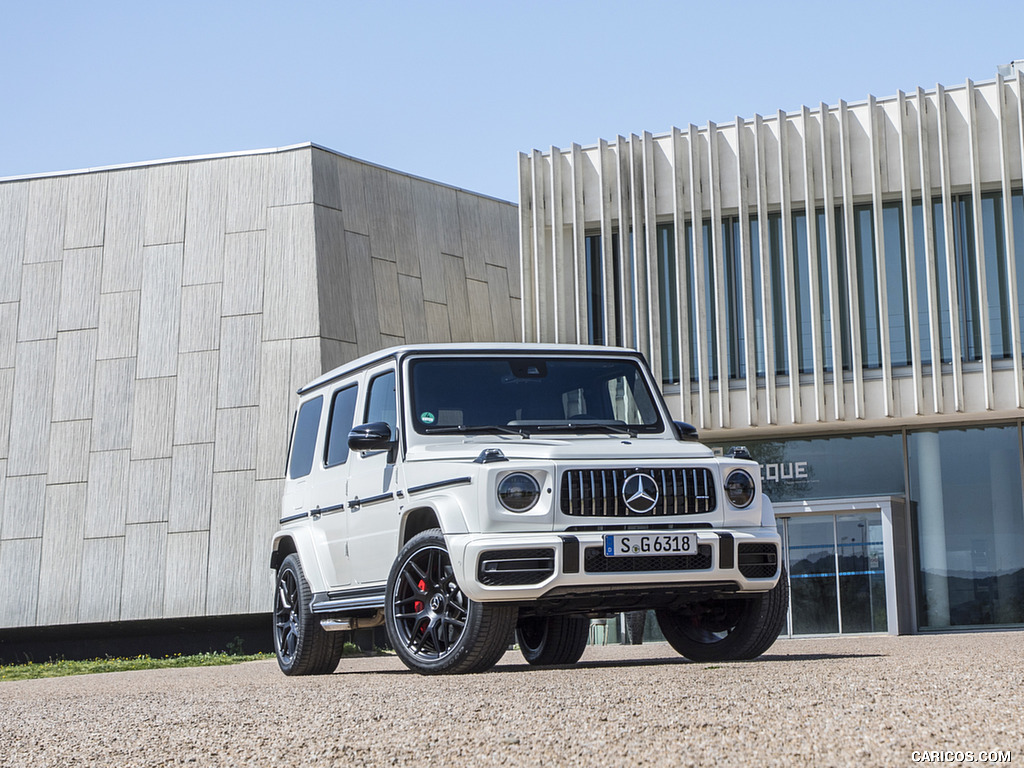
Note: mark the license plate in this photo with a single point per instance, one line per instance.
(643, 544)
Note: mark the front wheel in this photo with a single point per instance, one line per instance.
(433, 627)
(728, 629)
(552, 639)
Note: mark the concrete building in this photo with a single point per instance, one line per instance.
(840, 289)
(155, 322)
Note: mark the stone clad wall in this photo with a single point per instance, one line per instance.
(155, 322)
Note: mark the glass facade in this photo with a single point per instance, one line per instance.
(792, 261)
(966, 503)
(963, 487)
(830, 467)
(965, 510)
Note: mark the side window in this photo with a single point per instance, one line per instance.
(380, 403)
(304, 441)
(343, 409)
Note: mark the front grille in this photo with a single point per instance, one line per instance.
(758, 561)
(509, 567)
(594, 561)
(598, 492)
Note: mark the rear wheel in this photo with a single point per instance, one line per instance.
(728, 629)
(302, 645)
(552, 639)
(433, 627)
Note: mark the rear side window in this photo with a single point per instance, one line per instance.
(343, 409)
(304, 441)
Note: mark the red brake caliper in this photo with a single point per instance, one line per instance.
(418, 605)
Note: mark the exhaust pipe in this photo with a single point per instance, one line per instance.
(358, 622)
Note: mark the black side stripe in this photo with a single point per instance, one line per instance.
(357, 502)
(328, 510)
(441, 484)
(292, 518)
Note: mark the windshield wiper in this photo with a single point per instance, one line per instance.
(478, 428)
(616, 429)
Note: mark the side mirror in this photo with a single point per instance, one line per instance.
(375, 436)
(685, 431)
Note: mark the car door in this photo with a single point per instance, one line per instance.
(373, 508)
(328, 500)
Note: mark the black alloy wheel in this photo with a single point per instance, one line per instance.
(433, 627)
(430, 609)
(301, 644)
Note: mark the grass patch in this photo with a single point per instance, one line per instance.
(63, 667)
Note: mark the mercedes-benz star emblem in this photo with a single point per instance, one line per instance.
(640, 492)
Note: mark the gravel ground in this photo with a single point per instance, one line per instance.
(844, 701)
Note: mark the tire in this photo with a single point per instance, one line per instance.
(728, 629)
(433, 627)
(301, 644)
(547, 640)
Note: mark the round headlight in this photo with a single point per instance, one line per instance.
(518, 492)
(739, 487)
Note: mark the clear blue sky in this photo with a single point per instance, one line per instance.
(450, 90)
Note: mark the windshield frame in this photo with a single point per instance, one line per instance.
(525, 428)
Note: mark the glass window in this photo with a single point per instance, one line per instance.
(867, 285)
(778, 293)
(304, 439)
(615, 335)
(343, 411)
(380, 403)
(830, 467)
(942, 277)
(843, 288)
(525, 395)
(1017, 203)
(756, 302)
(812, 575)
(711, 321)
(822, 289)
(997, 287)
(698, 367)
(921, 257)
(801, 278)
(595, 290)
(966, 503)
(734, 307)
(837, 572)
(668, 309)
(967, 278)
(861, 557)
(896, 288)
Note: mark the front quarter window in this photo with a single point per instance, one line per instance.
(380, 403)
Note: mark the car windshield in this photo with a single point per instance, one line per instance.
(519, 395)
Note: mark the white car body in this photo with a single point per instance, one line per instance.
(347, 521)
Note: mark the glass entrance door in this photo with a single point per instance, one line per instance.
(836, 565)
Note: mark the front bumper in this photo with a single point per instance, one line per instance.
(746, 559)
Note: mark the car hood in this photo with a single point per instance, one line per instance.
(604, 447)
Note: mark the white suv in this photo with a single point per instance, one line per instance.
(458, 492)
